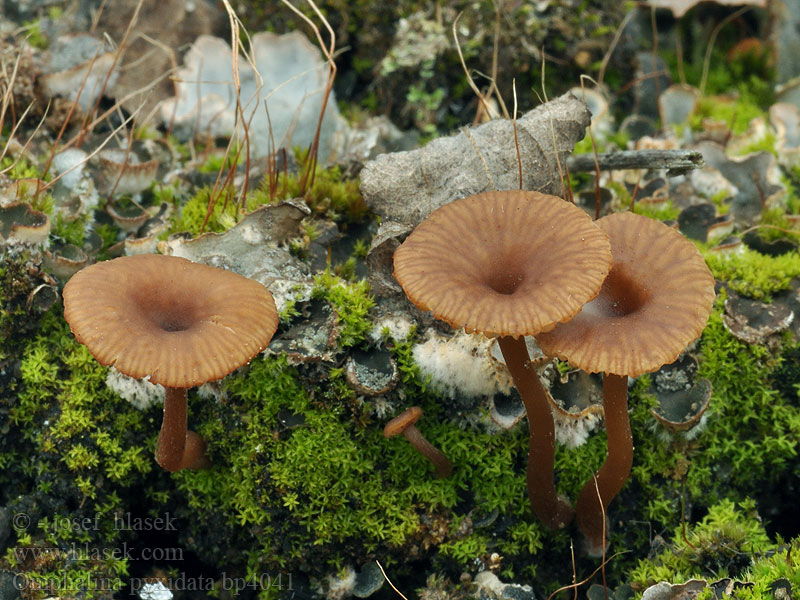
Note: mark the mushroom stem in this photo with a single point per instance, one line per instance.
(194, 453)
(611, 477)
(172, 437)
(553, 510)
(176, 448)
(440, 462)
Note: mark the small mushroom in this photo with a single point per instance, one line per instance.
(64, 260)
(20, 191)
(754, 322)
(120, 172)
(654, 194)
(701, 222)
(371, 373)
(507, 409)
(476, 263)
(654, 302)
(682, 410)
(404, 423)
(682, 397)
(178, 322)
(21, 223)
(730, 245)
(128, 215)
(577, 406)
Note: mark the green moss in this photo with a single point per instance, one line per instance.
(108, 233)
(85, 448)
(72, 232)
(332, 487)
(724, 544)
(752, 431)
(34, 35)
(352, 303)
(719, 200)
(218, 162)
(465, 549)
(192, 215)
(55, 368)
(661, 212)
(56, 558)
(19, 169)
(736, 114)
(764, 144)
(332, 194)
(775, 225)
(790, 181)
(753, 274)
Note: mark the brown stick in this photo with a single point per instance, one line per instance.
(611, 477)
(553, 510)
(440, 462)
(404, 423)
(677, 161)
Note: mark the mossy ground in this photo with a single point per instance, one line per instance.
(304, 483)
(330, 491)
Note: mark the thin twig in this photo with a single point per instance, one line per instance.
(117, 56)
(236, 45)
(128, 150)
(8, 93)
(28, 142)
(603, 556)
(55, 146)
(613, 45)
(712, 39)
(389, 580)
(653, 26)
(589, 578)
(486, 106)
(307, 181)
(91, 155)
(544, 63)
(516, 139)
(596, 162)
(636, 190)
(574, 571)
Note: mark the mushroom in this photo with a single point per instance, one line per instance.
(654, 302)
(509, 264)
(177, 322)
(404, 423)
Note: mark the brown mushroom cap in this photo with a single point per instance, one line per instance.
(181, 323)
(402, 421)
(506, 263)
(655, 301)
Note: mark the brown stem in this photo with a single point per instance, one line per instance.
(440, 462)
(553, 510)
(176, 448)
(194, 453)
(611, 477)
